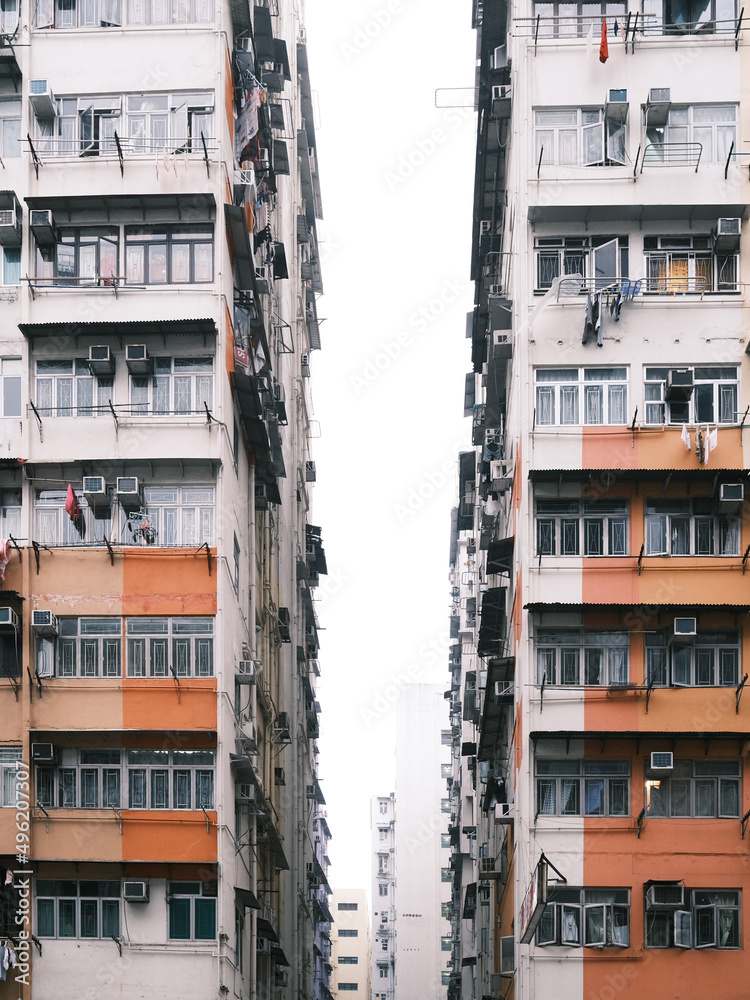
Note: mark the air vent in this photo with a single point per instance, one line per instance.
(128, 492)
(95, 491)
(42, 100)
(731, 493)
(685, 626)
(8, 620)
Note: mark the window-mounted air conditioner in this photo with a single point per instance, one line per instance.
(279, 776)
(44, 623)
(502, 344)
(263, 946)
(282, 977)
(244, 794)
(137, 359)
(501, 101)
(685, 627)
(101, 362)
(731, 493)
(244, 44)
(43, 228)
(727, 238)
(310, 791)
(501, 476)
(304, 362)
(283, 723)
(246, 671)
(95, 491)
(261, 496)
(616, 105)
(42, 100)
(244, 186)
(264, 162)
(657, 109)
(500, 57)
(489, 867)
(128, 492)
(135, 892)
(661, 762)
(10, 227)
(495, 290)
(504, 812)
(310, 475)
(249, 735)
(8, 620)
(264, 279)
(665, 897)
(43, 752)
(679, 384)
(659, 95)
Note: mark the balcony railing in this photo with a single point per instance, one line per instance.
(672, 154)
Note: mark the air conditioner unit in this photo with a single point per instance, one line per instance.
(731, 494)
(616, 105)
(679, 384)
(43, 752)
(665, 897)
(495, 290)
(244, 44)
(135, 892)
(244, 793)
(95, 491)
(310, 476)
(489, 868)
(283, 723)
(501, 476)
(657, 109)
(8, 620)
(504, 812)
(500, 57)
(43, 228)
(128, 493)
(310, 791)
(501, 101)
(264, 162)
(263, 946)
(502, 344)
(244, 186)
(261, 496)
(10, 227)
(685, 626)
(727, 239)
(246, 672)
(279, 777)
(42, 100)
(44, 623)
(304, 362)
(264, 279)
(249, 735)
(661, 761)
(101, 362)
(282, 977)
(137, 359)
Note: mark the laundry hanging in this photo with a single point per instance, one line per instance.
(604, 47)
(685, 437)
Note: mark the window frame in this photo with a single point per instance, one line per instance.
(162, 394)
(572, 390)
(576, 25)
(565, 919)
(11, 758)
(658, 407)
(657, 23)
(688, 935)
(162, 642)
(680, 795)
(662, 667)
(157, 257)
(577, 255)
(578, 784)
(560, 530)
(89, 395)
(203, 893)
(11, 373)
(42, 894)
(602, 135)
(667, 532)
(564, 652)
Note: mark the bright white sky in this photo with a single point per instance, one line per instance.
(397, 182)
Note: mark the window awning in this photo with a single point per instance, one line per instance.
(125, 331)
(265, 928)
(589, 608)
(277, 954)
(619, 212)
(263, 35)
(500, 555)
(491, 724)
(267, 833)
(281, 57)
(492, 622)
(280, 269)
(248, 898)
(242, 252)
(604, 477)
(101, 209)
(641, 736)
(280, 157)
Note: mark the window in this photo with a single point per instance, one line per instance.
(78, 14)
(382, 863)
(10, 758)
(10, 513)
(575, 528)
(192, 911)
(712, 399)
(582, 787)
(582, 658)
(383, 833)
(383, 971)
(445, 840)
(348, 960)
(145, 123)
(603, 258)
(10, 387)
(690, 527)
(348, 932)
(83, 256)
(8, 16)
(54, 526)
(446, 874)
(66, 388)
(578, 137)
(10, 139)
(701, 789)
(383, 807)
(156, 779)
(573, 20)
(67, 908)
(178, 385)
(445, 978)
(682, 17)
(176, 515)
(445, 805)
(384, 944)
(382, 889)
(11, 259)
(163, 647)
(445, 910)
(348, 906)
(348, 986)
(586, 917)
(712, 921)
(170, 255)
(575, 396)
(714, 126)
(159, 12)
(86, 647)
(711, 659)
(678, 264)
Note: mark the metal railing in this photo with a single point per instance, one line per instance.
(672, 154)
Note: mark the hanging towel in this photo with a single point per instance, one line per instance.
(604, 47)
(71, 504)
(685, 436)
(590, 45)
(588, 318)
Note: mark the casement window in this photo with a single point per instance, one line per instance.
(8, 16)
(714, 126)
(10, 133)
(698, 789)
(348, 932)
(11, 265)
(710, 659)
(580, 527)
(574, 396)
(690, 527)
(578, 137)
(383, 971)
(711, 919)
(573, 20)
(10, 513)
(446, 943)
(178, 254)
(348, 906)
(10, 388)
(177, 386)
(10, 759)
(712, 400)
(66, 388)
(602, 259)
(54, 526)
(86, 647)
(383, 863)
(685, 17)
(192, 911)
(582, 658)
(69, 908)
(84, 256)
(445, 805)
(163, 12)
(446, 874)
(592, 918)
(176, 515)
(348, 987)
(567, 787)
(348, 960)
(170, 647)
(86, 779)
(678, 264)
(382, 889)
(78, 13)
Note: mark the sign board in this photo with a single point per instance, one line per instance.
(534, 902)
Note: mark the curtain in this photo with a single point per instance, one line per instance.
(571, 917)
(570, 793)
(545, 404)
(569, 404)
(618, 666)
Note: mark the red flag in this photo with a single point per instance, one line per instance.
(604, 47)
(71, 504)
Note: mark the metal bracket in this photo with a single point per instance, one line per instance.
(176, 680)
(110, 550)
(34, 156)
(14, 543)
(31, 683)
(208, 819)
(738, 693)
(46, 816)
(742, 422)
(205, 155)
(118, 942)
(743, 823)
(207, 547)
(37, 548)
(632, 429)
(122, 164)
(640, 558)
(744, 559)
(649, 689)
(36, 412)
(536, 33)
(541, 693)
(209, 418)
(118, 814)
(15, 685)
(639, 821)
(539, 164)
(112, 411)
(38, 944)
(726, 165)
(737, 29)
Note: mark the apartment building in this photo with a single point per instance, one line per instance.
(159, 639)
(599, 545)
(383, 890)
(350, 939)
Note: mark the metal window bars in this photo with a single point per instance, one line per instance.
(554, 28)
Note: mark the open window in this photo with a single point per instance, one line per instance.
(682, 928)
(98, 118)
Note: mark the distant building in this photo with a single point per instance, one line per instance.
(350, 939)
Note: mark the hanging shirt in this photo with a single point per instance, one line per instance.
(685, 437)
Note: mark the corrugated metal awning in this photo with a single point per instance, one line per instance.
(242, 251)
(126, 330)
(608, 477)
(248, 898)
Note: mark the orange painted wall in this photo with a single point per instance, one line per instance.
(654, 448)
(173, 582)
(169, 836)
(148, 701)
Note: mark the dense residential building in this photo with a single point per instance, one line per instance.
(599, 545)
(411, 855)
(158, 635)
(350, 939)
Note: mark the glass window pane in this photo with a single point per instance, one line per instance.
(205, 919)
(66, 918)
(570, 797)
(137, 789)
(110, 918)
(45, 911)
(89, 918)
(160, 789)
(179, 919)
(181, 783)
(705, 797)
